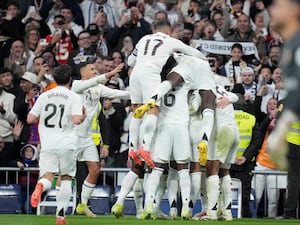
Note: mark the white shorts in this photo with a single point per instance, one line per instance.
(224, 145)
(87, 150)
(142, 85)
(172, 141)
(60, 161)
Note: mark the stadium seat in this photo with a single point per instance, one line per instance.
(48, 204)
(236, 207)
(100, 200)
(164, 204)
(129, 203)
(10, 198)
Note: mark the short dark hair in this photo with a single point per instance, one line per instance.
(62, 74)
(238, 46)
(67, 7)
(12, 2)
(59, 16)
(162, 23)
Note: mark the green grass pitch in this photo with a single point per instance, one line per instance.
(15, 219)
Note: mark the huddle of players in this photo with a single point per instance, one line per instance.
(182, 136)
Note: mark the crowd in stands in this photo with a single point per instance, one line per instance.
(237, 37)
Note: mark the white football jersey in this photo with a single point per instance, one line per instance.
(195, 72)
(153, 50)
(55, 109)
(225, 116)
(90, 97)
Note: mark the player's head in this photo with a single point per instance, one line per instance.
(62, 74)
(163, 26)
(285, 14)
(87, 69)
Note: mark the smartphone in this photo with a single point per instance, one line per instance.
(127, 12)
(31, 9)
(43, 41)
(190, 13)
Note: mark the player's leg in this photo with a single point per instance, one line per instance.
(195, 173)
(157, 213)
(212, 189)
(226, 189)
(185, 188)
(48, 166)
(152, 183)
(138, 193)
(67, 170)
(172, 185)
(88, 188)
(208, 105)
(129, 180)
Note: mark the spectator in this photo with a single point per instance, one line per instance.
(28, 83)
(62, 41)
(32, 46)
(67, 13)
(27, 158)
(90, 9)
(33, 20)
(222, 20)
(244, 33)
(85, 49)
(250, 141)
(52, 8)
(9, 82)
(98, 41)
(267, 183)
(232, 69)
(16, 60)
(99, 64)
(248, 84)
(115, 114)
(273, 57)
(130, 24)
(7, 120)
(209, 31)
(274, 90)
(187, 33)
(194, 12)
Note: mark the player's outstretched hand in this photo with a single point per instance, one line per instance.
(140, 111)
(115, 71)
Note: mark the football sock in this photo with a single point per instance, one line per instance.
(203, 194)
(213, 192)
(226, 191)
(152, 183)
(87, 190)
(172, 184)
(134, 130)
(185, 186)
(66, 192)
(126, 186)
(160, 191)
(149, 126)
(46, 184)
(195, 187)
(138, 194)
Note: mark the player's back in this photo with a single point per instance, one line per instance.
(153, 51)
(56, 125)
(174, 106)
